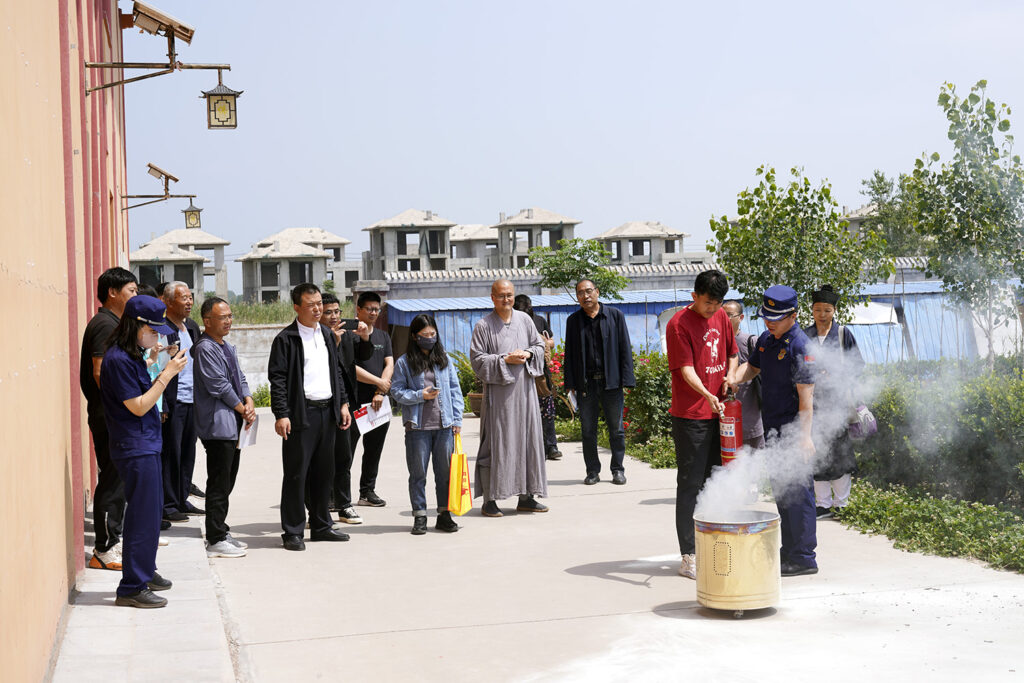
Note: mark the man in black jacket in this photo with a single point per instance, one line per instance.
(178, 455)
(309, 402)
(349, 351)
(598, 366)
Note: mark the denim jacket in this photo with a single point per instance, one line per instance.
(407, 390)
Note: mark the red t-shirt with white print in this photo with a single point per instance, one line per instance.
(705, 344)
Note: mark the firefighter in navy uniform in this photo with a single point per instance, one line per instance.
(783, 359)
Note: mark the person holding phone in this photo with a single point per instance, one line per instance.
(133, 424)
(426, 385)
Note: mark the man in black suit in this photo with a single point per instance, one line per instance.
(178, 455)
(349, 351)
(309, 402)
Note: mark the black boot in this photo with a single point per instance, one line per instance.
(419, 525)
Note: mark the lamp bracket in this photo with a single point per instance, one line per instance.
(170, 66)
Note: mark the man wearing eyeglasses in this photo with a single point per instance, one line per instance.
(373, 377)
(598, 366)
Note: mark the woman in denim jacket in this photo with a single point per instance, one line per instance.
(426, 385)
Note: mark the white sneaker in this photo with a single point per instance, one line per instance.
(163, 541)
(350, 516)
(235, 542)
(688, 567)
(224, 549)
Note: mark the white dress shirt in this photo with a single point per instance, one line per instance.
(316, 366)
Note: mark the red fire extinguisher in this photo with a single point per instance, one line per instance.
(730, 427)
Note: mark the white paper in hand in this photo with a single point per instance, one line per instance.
(247, 437)
(368, 419)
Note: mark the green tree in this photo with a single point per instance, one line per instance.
(971, 209)
(577, 259)
(894, 214)
(793, 234)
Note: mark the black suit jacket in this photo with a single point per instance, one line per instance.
(287, 393)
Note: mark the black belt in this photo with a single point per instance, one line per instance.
(320, 403)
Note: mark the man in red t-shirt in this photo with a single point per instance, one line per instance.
(701, 355)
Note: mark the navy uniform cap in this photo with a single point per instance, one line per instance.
(148, 310)
(779, 302)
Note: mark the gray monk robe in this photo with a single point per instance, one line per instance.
(511, 457)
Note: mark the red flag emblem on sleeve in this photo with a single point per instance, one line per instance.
(808, 358)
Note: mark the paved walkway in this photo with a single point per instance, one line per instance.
(588, 591)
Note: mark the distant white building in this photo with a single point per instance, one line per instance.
(158, 262)
(415, 239)
(198, 240)
(473, 246)
(644, 243)
(533, 227)
(279, 262)
(338, 268)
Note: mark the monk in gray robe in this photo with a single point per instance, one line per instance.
(507, 354)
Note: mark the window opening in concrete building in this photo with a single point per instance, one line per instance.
(351, 277)
(184, 272)
(616, 251)
(670, 246)
(435, 239)
(408, 243)
(640, 247)
(151, 275)
(269, 296)
(268, 275)
(300, 271)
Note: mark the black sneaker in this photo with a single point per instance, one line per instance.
(619, 478)
(194, 490)
(592, 479)
(158, 583)
(490, 509)
(553, 454)
(419, 525)
(176, 517)
(446, 523)
(145, 599)
(164, 525)
(371, 499)
(823, 513)
(191, 509)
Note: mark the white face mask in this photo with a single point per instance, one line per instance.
(149, 339)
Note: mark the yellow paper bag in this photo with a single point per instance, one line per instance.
(460, 500)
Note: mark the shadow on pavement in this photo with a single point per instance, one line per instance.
(375, 529)
(103, 599)
(691, 609)
(565, 482)
(621, 569)
(658, 501)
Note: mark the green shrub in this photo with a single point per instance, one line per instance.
(646, 415)
(919, 522)
(261, 396)
(659, 452)
(468, 381)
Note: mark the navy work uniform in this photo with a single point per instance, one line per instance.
(784, 363)
(135, 450)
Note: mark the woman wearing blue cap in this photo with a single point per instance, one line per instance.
(133, 423)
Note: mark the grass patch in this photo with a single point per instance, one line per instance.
(919, 522)
(276, 313)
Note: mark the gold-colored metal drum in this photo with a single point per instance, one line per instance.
(738, 560)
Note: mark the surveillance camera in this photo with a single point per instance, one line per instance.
(152, 20)
(159, 173)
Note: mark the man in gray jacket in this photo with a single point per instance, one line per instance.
(222, 403)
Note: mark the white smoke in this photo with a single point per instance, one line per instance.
(784, 464)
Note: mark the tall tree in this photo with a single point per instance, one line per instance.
(577, 259)
(793, 234)
(894, 213)
(971, 208)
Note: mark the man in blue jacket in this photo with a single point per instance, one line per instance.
(598, 366)
(222, 402)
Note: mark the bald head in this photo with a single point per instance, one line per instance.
(503, 295)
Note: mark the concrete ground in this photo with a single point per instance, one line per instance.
(588, 591)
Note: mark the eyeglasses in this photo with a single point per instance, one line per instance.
(223, 318)
(588, 290)
(371, 311)
(504, 296)
(737, 315)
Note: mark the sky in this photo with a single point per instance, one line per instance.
(606, 112)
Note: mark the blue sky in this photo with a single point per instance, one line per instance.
(602, 111)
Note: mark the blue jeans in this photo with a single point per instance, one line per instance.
(594, 398)
(422, 446)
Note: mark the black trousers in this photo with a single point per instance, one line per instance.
(596, 398)
(698, 449)
(342, 486)
(179, 446)
(373, 445)
(108, 499)
(307, 452)
(222, 456)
